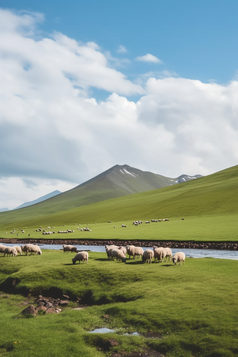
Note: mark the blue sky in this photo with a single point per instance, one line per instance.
(90, 84)
(195, 39)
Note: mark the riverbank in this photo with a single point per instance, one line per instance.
(140, 243)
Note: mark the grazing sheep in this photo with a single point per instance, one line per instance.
(123, 249)
(109, 248)
(147, 256)
(31, 248)
(179, 257)
(2, 248)
(18, 249)
(168, 254)
(159, 253)
(10, 251)
(81, 256)
(133, 251)
(69, 248)
(118, 254)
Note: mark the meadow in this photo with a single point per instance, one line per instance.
(187, 310)
(212, 228)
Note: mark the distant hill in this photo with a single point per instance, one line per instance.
(40, 199)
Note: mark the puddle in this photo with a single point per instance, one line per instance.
(108, 330)
(102, 330)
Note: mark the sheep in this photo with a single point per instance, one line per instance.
(69, 248)
(18, 249)
(168, 253)
(147, 256)
(118, 254)
(10, 251)
(133, 251)
(109, 248)
(123, 249)
(2, 248)
(81, 256)
(31, 248)
(159, 253)
(179, 257)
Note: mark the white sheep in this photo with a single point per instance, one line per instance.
(2, 248)
(118, 254)
(168, 253)
(147, 256)
(159, 253)
(179, 257)
(69, 248)
(109, 248)
(31, 248)
(133, 251)
(18, 249)
(81, 256)
(123, 249)
(10, 251)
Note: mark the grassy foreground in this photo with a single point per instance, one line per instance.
(190, 310)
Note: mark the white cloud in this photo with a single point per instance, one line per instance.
(55, 134)
(121, 49)
(149, 58)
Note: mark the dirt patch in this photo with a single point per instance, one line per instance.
(152, 335)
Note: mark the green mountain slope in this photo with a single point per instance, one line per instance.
(118, 181)
(215, 194)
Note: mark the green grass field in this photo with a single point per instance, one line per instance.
(199, 228)
(190, 309)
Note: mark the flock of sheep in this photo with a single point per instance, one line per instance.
(13, 251)
(113, 252)
(158, 253)
(119, 253)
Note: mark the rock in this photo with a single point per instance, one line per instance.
(29, 311)
(63, 302)
(51, 310)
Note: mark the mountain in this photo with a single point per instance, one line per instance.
(40, 199)
(116, 182)
(185, 178)
(4, 209)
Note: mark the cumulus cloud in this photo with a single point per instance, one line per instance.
(54, 135)
(149, 58)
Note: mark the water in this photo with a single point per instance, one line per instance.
(108, 330)
(102, 330)
(190, 253)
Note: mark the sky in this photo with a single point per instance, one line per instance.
(88, 84)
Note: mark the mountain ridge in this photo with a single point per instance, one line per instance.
(117, 181)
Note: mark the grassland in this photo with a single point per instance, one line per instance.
(212, 228)
(190, 310)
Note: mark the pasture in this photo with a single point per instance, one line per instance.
(188, 310)
(207, 228)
